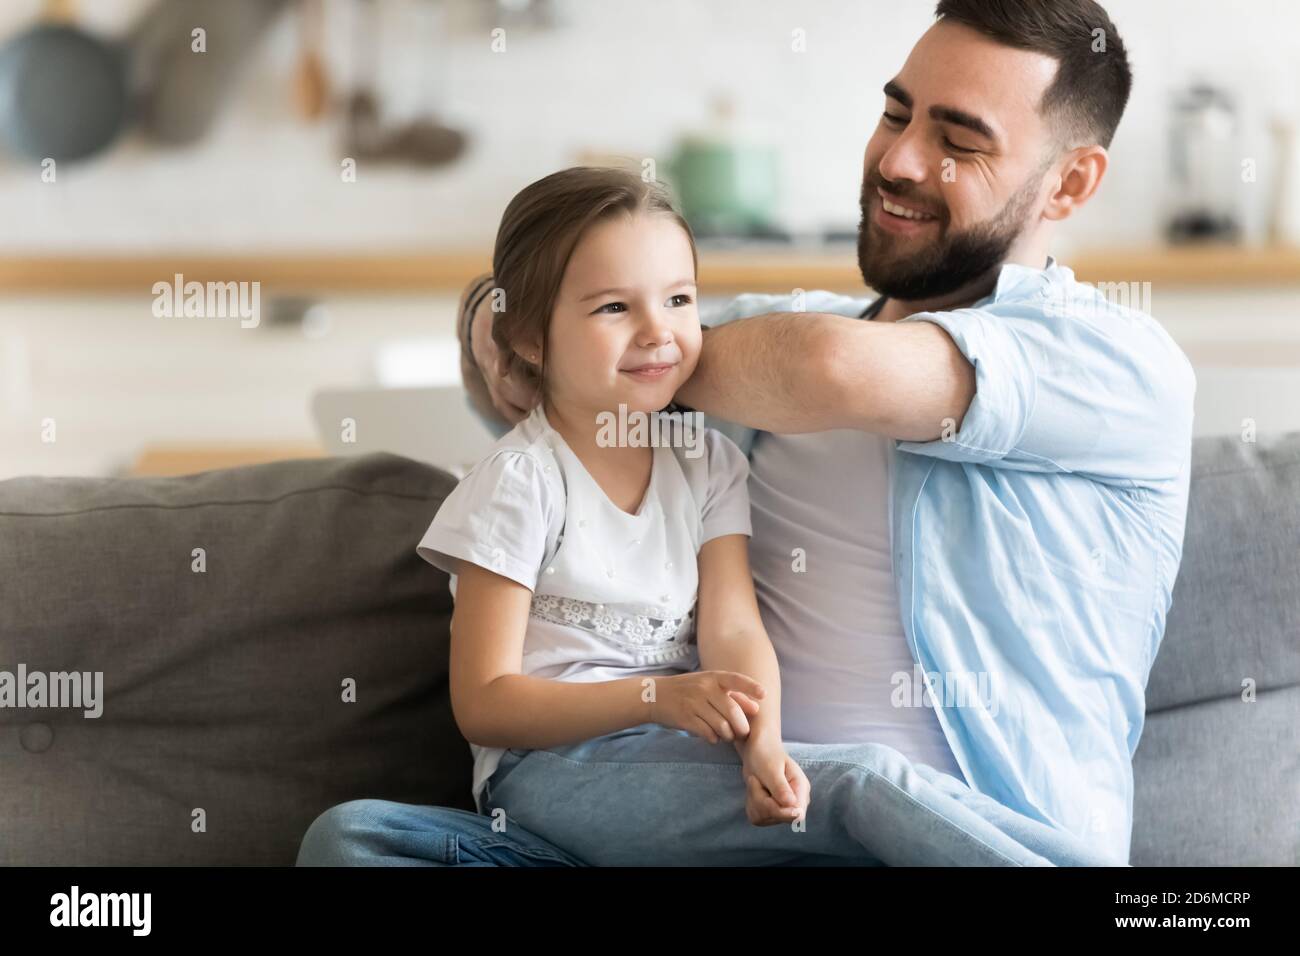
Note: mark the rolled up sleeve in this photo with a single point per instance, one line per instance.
(1005, 386)
(1108, 396)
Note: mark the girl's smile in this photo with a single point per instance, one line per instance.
(651, 372)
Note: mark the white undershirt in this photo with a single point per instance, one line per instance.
(836, 626)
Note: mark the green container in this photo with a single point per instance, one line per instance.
(725, 188)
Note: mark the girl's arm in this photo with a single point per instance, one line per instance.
(731, 635)
(730, 632)
(497, 706)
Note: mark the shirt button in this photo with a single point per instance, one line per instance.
(600, 607)
(668, 566)
(551, 569)
(582, 523)
(664, 598)
(636, 540)
(610, 572)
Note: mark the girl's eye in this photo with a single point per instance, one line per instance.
(955, 148)
(891, 118)
(611, 305)
(682, 295)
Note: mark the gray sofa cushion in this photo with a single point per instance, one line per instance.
(223, 689)
(1218, 778)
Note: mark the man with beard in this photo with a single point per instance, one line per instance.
(968, 499)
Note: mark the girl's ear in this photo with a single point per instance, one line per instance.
(530, 352)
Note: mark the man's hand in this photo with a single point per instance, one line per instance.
(491, 391)
(776, 789)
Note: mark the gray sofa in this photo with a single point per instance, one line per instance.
(227, 723)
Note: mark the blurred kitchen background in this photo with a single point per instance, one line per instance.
(353, 157)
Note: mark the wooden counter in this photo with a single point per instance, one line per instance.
(721, 272)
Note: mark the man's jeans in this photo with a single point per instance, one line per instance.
(649, 795)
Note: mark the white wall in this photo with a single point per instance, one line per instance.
(627, 77)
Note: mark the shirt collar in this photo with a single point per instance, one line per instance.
(1010, 275)
(1013, 273)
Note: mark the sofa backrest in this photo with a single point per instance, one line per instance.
(1217, 771)
(229, 612)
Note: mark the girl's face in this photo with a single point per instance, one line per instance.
(627, 301)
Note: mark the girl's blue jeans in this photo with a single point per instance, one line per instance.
(650, 795)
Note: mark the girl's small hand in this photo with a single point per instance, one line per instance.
(776, 789)
(715, 705)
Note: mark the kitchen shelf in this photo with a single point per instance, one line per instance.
(764, 269)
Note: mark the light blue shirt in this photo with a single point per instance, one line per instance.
(1035, 548)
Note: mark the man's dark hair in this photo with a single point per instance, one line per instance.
(1085, 101)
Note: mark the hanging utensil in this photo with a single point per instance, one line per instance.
(426, 141)
(63, 91)
(422, 142)
(179, 91)
(362, 131)
(311, 82)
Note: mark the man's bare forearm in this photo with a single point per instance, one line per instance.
(807, 372)
(767, 372)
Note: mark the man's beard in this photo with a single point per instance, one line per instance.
(949, 263)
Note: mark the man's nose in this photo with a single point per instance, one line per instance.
(906, 158)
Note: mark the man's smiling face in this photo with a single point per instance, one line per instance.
(961, 143)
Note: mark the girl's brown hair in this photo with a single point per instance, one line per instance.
(539, 231)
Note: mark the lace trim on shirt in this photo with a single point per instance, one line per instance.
(639, 629)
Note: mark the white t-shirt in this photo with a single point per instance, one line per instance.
(613, 593)
(831, 606)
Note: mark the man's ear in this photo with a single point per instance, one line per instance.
(1080, 173)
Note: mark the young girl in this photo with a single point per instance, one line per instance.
(593, 578)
